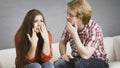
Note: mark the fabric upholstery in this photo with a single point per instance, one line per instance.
(117, 47)
(108, 44)
(111, 44)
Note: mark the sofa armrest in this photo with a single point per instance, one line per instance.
(7, 58)
(108, 45)
(116, 44)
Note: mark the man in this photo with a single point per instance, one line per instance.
(85, 37)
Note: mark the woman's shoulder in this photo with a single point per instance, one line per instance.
(18, 36)
(49, 33)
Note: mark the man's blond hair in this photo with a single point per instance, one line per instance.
(82, 9)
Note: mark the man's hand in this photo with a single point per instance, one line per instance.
(65, 57)
(72, 28)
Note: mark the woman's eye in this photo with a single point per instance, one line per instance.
(41, 20)
(35, 21)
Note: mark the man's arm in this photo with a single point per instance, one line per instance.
(62, 49)
(84, 51)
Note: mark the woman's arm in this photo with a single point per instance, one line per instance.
(47, 49)
(33, 40)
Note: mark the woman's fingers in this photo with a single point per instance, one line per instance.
(28, 36)
(42, 28)
(33, 31)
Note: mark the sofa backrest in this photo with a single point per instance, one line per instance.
(112, 48)
(55, 49)
(117, 47)
(108, 45)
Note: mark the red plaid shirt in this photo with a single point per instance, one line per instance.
(90, 35)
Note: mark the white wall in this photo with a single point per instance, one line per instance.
(12, 12)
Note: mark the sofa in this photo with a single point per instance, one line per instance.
(111, 44)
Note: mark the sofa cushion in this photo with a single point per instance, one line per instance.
(7, 58)
(56, 53)
(114, 64)
(55, 49)
(108, 45)
(117, 47)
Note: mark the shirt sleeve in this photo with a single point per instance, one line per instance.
(65, 36)
(17, 40)
(46, 58)
(28, 59)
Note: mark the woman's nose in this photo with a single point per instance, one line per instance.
(38, 23)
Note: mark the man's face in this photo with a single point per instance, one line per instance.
(71, 16)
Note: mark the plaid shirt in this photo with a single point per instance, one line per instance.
(90, 35)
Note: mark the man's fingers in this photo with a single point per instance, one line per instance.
(76, 26)
(65, 57)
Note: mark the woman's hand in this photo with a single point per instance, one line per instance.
(33, 39)
(44, 32)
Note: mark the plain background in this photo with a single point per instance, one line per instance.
(12, 12)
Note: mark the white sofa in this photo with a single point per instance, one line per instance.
(112, 47)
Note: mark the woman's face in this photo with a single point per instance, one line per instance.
(38, 21)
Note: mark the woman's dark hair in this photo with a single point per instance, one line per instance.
(26, 27)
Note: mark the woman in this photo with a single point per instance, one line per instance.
(33, 42)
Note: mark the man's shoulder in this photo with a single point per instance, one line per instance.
(93, 23)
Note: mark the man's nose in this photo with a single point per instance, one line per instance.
(67, 16)
(68, 19)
